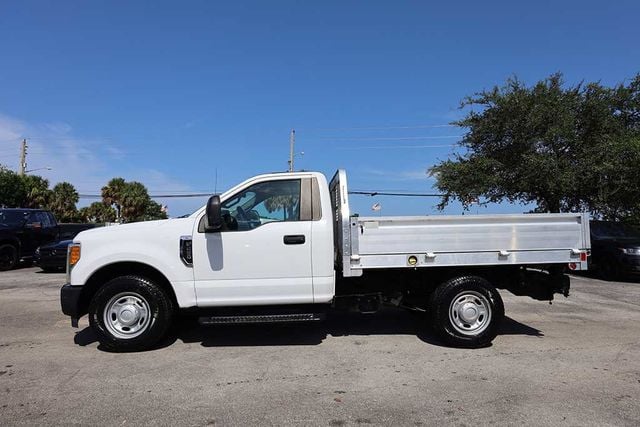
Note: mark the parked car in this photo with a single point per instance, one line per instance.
(615, 249)
(21, 232)
(52, 256)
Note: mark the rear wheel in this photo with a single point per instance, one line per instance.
(466, 311)
(130, 313)
(8, 257)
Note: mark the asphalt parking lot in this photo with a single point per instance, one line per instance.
(576, 362)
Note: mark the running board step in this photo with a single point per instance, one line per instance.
(262, 318)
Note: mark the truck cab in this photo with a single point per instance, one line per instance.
(274, 245)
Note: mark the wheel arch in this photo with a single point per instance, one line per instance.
(101, 276)
(12, 241)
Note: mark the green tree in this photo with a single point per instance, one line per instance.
(12, 191)
(135, 199)
(97, 212)
(131, 201)
(63, 202)
(37, 192)
(154, 211)
(112, 194)
(566, 148)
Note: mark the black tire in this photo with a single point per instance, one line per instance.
(131, 294)
(462, 295)
(8, 257)
(49, 269)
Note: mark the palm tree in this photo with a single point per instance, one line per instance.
(37, 191)
(98, 212)
(112, 194)
(63, 202)
(135, 198)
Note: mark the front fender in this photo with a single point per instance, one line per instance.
(163, 258)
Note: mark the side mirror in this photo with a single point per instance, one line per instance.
(214, 217)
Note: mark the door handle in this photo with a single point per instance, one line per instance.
(294, 239)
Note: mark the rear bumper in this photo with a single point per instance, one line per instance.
(70, 302)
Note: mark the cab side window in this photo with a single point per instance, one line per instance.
(262, 203)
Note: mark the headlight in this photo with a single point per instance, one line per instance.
(73, 256)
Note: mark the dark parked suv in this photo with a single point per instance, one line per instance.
(615, 249)
(21, 232)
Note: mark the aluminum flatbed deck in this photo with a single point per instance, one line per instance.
(448, 241)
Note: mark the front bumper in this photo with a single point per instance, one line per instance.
(70, 302)
(51, 262)
(630, 264)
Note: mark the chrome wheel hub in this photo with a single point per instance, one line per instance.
(126, 315)
(470, 313)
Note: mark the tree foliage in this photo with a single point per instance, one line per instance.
(63, 202)
(37, 192)
(566, 148)
(112, 194)
(126, 201)
(131, 201)
(97, 212)
(12, 190)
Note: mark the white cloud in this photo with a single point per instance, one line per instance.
(87, 163)
(10, 130)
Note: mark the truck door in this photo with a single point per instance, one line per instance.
(262, 255)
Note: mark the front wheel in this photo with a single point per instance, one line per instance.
(466, 312)
(8, 257)
(130, 313)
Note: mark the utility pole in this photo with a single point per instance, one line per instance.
(23, 157)
(292, 141)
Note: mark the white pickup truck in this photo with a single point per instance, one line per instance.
(285, 247)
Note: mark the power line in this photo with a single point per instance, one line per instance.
(382, 127)
(360, 193)
(153, 196)
(398, 194)
(402, 138)
(396, 146)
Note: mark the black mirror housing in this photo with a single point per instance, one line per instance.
(214, 216)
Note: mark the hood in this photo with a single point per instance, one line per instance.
(62, 244)
(137, 230)
(628, 242)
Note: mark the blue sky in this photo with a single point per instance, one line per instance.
(169, 92)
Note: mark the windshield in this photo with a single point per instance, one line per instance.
(605, 230)
(12, 218)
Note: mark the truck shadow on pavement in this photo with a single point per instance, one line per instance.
(385, 322)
